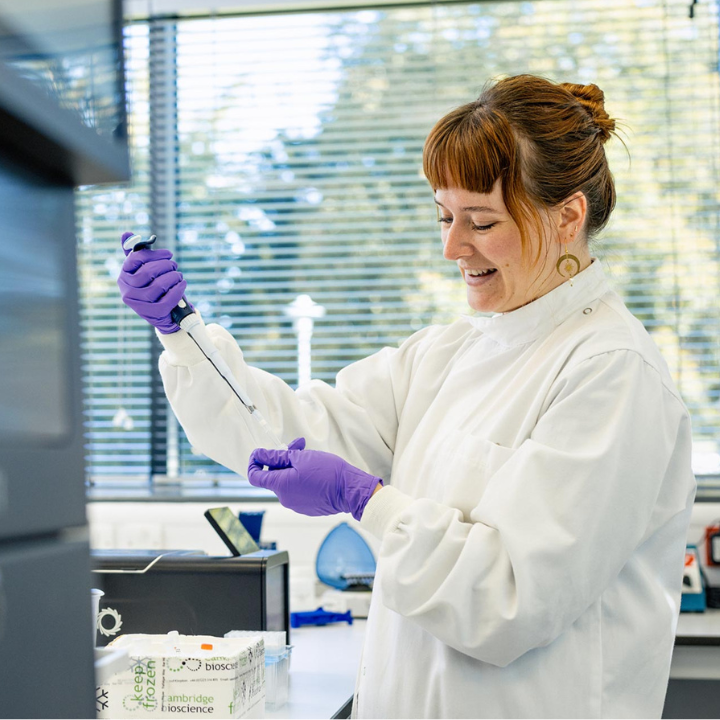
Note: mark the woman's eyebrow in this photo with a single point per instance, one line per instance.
(479, 208)
(473, 208)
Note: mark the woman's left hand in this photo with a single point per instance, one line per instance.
(312, 482)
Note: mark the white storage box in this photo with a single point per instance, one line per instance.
(174, 675)
(277, 665)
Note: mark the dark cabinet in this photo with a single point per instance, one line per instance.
(61, 125)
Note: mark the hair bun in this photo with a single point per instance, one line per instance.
(592, 98)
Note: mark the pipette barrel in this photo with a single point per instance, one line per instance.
(193, 326)
(184, 315)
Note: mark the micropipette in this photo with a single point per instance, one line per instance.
(190, 322)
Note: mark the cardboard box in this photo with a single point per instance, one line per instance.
(171, 676)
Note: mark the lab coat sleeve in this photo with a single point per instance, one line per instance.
(556, 524)
(357, 419)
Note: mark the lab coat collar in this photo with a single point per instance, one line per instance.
(542, 316)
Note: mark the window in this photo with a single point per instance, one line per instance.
(284, 158)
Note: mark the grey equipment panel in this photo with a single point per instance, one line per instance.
(46, 648)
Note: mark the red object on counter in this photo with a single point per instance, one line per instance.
(712, 545)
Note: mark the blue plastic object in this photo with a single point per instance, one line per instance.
(318, 617)
(343, 554)
(252, 520)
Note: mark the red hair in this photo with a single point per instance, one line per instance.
(542, 140)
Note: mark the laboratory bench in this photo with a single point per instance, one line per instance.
(699, 628)
(324, 663)
(323, 667)
(694, 689)
(325, 660)
(697, 647)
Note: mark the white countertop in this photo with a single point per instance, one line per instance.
(699, 625)
(325, 660)
(694, 659)
(323, 667)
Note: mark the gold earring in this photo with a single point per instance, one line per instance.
(568, 266)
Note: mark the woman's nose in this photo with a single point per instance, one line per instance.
(455, 243)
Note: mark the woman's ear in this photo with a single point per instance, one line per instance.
(571, 217)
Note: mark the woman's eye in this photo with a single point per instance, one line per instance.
(481, 228)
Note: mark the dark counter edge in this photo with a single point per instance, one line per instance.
(693, 640)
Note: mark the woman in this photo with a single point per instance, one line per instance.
(537, 461)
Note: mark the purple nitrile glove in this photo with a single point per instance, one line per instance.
(312, 482)
(151, 285)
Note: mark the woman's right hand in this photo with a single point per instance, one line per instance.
(151, 285)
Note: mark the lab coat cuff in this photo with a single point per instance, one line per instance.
(180, 349)
(382, 513)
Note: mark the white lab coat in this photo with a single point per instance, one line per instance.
(533, 529)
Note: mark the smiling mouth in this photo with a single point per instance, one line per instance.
(480, 273)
